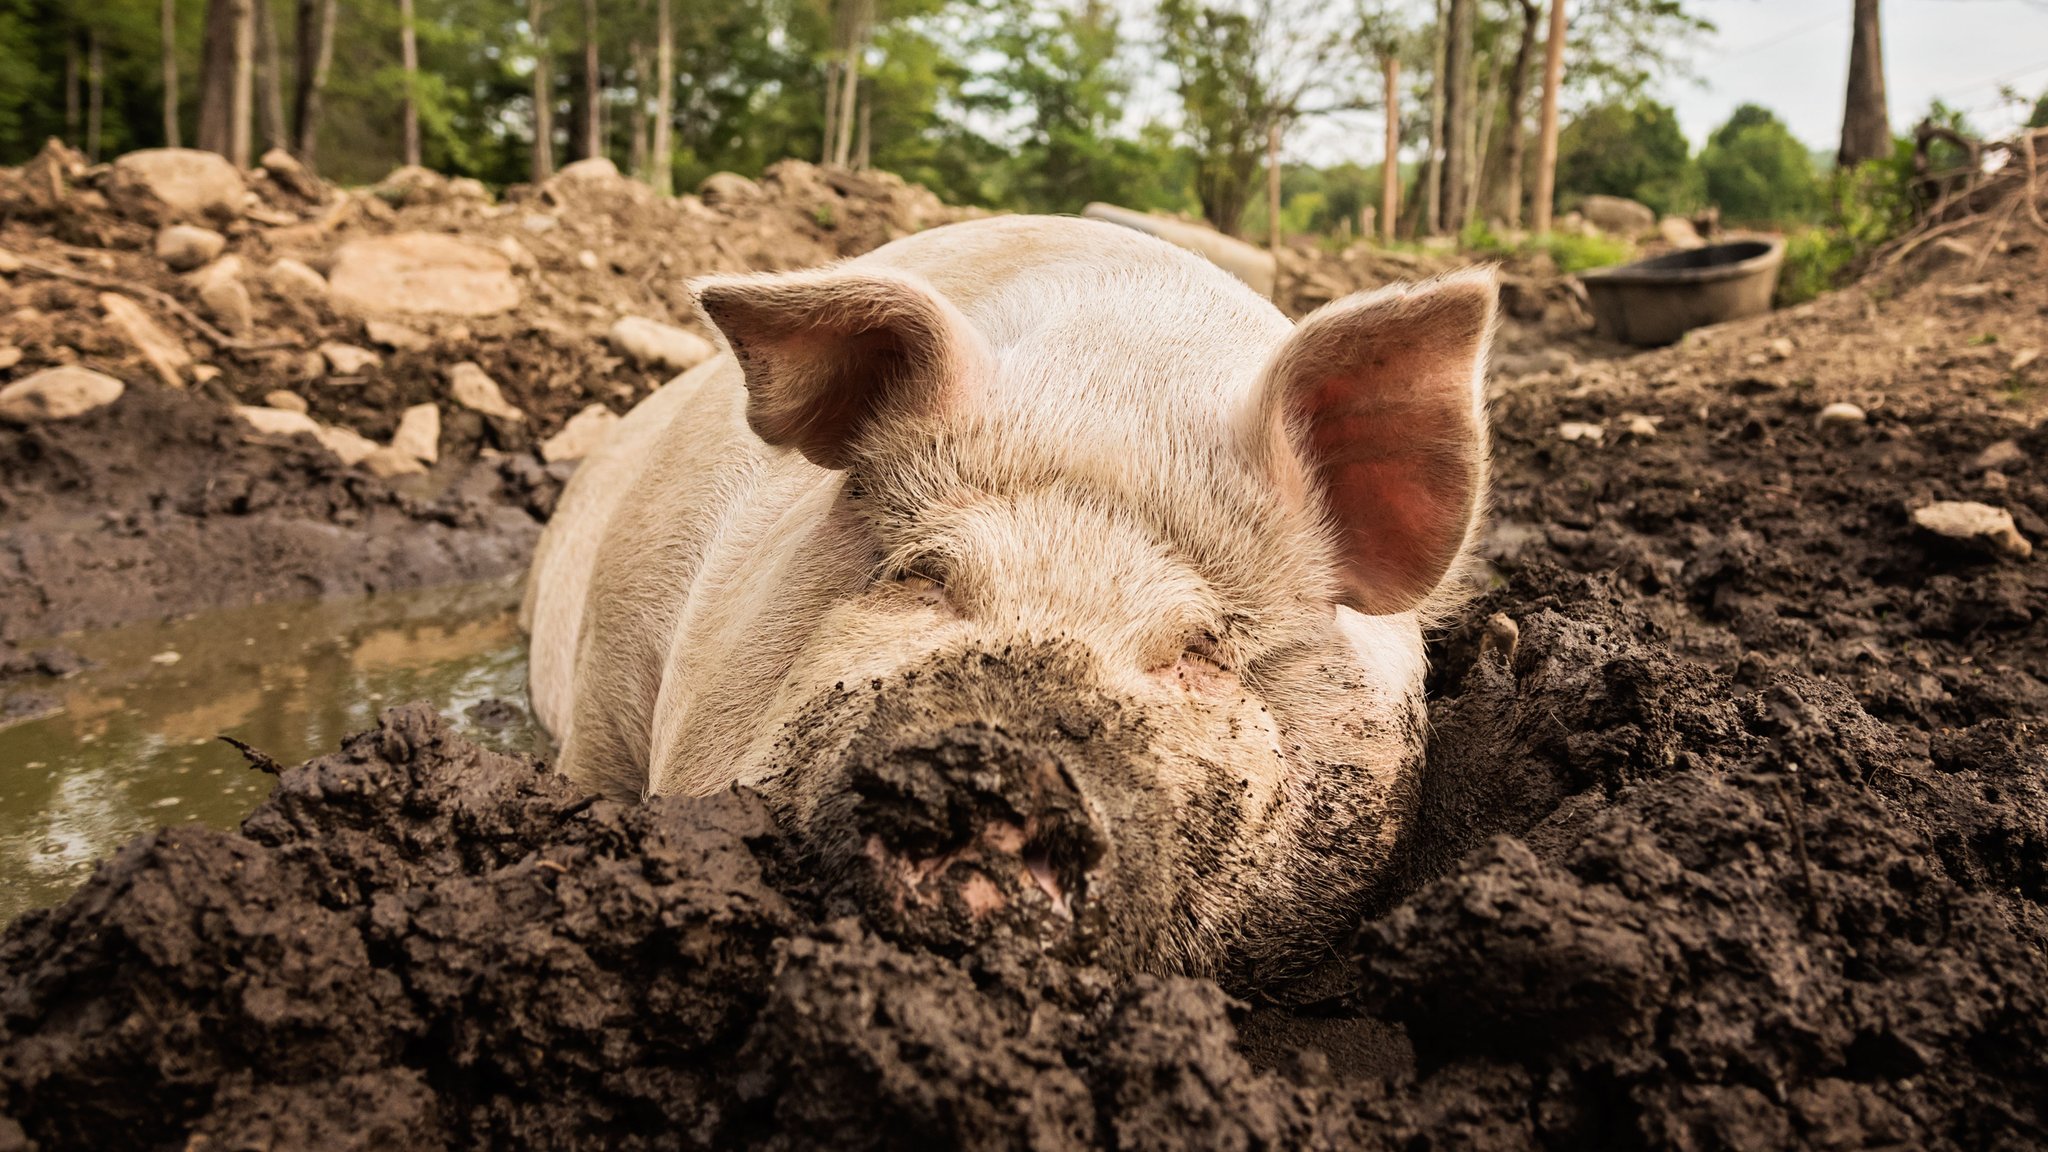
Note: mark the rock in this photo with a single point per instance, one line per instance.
(1840, 414)
(1780, 349)
(397, 337)
(2022, 360)
(204, 373)
(1979, 525)
(350, 446)
(185, 246)
(295, 280)
(581, 435)
(594, 168)
(9, 356)
(176, 184)
(652, 342)
(419, 433)
(287, 401)
(468, 188)
(388, 462)
(1618, 215)
(9, 263)
(587, 260)
(421, 273)
(285, 168)
(724, 189)
(1638, 426)
(165, 353)
(1679, 232)
(277, 421)
(1996, 481)
(2001, 456)
(517, 253)
(227, 300)
(412, 184)
(1572, 431)
(471, 387)
(538, 222)
(347, 359)
(58, 394)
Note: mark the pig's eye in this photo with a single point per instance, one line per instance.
(1205, 652)
(921, 581)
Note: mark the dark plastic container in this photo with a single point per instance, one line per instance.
(1656, 301)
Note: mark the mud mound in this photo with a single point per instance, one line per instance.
(1689, 917)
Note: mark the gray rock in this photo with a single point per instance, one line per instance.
(177, 184)
(580, 436)
(295, 280)
(470, 386)
(1619, 215)
(421, 273)
(58, 394)
(1979, 525)
(652, 342)
(184, 247)
(2003, 455)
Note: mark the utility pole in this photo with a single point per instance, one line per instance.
(1546, 136)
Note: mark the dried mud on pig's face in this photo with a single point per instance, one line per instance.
(1038, 721)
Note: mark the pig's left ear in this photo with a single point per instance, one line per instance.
(1373, 410)
(829, 353)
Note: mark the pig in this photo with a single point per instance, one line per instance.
(1049, 584)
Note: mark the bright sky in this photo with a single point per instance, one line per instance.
(1792, 56)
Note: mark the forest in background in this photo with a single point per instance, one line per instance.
(1037, 105)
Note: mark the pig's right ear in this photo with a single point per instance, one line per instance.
(829, 354)
(1371, 413)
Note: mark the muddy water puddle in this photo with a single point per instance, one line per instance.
(131, 742)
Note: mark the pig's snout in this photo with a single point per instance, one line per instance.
(971, 824)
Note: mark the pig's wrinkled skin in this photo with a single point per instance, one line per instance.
(1042, 575)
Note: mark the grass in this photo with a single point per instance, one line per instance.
(1571, 253)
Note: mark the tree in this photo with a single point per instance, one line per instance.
(315, 58)
(1459, 112)
(1383, 34)
(227, 79)
(1632, 149)
(543, 157)
(409, 55)
(1866, 127)
(167, 35)
(1757, 172)
(1243, 70)
(270, 78)
(1515, 149)
(1546, 131)
(665, 99)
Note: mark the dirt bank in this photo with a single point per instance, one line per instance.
(1691, 916)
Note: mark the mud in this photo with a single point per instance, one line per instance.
(1690, 915)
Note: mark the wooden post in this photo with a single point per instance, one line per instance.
(1390, 170)
(168, 34)
(665, 103)
(409, 60)
(1273, 187)
(1546, 138)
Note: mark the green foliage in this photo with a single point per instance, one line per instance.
(1632, 149)
(1757, 172)
(1867, 206)
(1571, 253)
(2039, 119)
(1227, 113)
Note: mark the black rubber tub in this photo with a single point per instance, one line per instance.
(1656, 301)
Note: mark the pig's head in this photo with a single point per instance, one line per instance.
(1116, 639)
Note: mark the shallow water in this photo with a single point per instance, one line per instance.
(132, 742)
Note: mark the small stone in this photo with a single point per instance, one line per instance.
(1840, 414)
(723, 189)
(1996, 481)
(419, 433)
(652, 342)
(295, 280)
(347, 359)
(397, 337)
(473, 388)
(58, 394)
(165, 658)
(9, 356)
(593, 168)
(165, 353)
(421, 273)
(538, 222)
(285, 168)
(277, 421)
(516, 252)
(2023, 359)
(184, 246)
(350, 446)
(1977, 524)
(285, 400)
(581, 435)
(226, 298)
(2002, 455)
(1780, 349)
(1679, 232)
(388, 462)
(587, 259)
(9, 262)
(1638, 426)
(1572, 431)
(204, 373)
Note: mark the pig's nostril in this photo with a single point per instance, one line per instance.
(1038, 862)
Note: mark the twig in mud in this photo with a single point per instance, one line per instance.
(218, 338)
(258, 759)
(2012, 209)
(1799, 850)
(2033, 208)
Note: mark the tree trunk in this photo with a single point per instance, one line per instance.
(850, 31)
(270, 93)
(831, 140)
(316, 58)
(863, 152)
(1458, 113)
(1433, 164)
(74, 81)
(665, 98)
(593, 86)
(1514, 153)
(1866, 128)
(95, 95)
(543, 95)
(227, 79)
(1482, 141)
(409, 60)
(1390, 169)
(1546, 132)
(167, 32)
(1273, 188)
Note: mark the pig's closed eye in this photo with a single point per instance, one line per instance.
(926, 582)
(1203, 665)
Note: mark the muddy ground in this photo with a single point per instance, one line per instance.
(1742, 843)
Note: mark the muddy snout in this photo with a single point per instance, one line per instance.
(968, 827)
